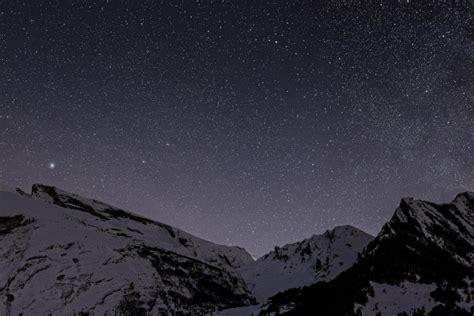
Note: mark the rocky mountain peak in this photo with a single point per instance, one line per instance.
(425, 251)
(317, 258)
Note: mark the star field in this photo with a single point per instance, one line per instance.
(248, 123)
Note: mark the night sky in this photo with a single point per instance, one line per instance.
(251, 123)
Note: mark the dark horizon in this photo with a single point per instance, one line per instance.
(267, 122)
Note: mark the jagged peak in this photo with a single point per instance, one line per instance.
(431, 222)
(415, 209)
(330, 235)
(403, 209)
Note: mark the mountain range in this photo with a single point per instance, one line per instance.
(63, 254)
(420, 263)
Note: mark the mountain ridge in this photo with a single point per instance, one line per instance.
(102, 260)
(53, 241)
(418, 253)
(105, 211)
(319, 257)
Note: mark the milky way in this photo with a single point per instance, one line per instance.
(248, 123)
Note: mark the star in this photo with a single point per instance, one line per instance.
(52, 165)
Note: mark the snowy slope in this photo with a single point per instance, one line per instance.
(318, 258)
(171, 238)
(420, 262)
(64, 254)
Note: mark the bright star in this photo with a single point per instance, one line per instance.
(52, 165)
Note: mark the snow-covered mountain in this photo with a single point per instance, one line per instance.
(318, 258)
(420, 263)
(64, 254)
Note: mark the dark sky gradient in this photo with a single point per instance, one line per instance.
(253, 123)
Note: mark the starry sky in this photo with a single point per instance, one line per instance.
(251, 123)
